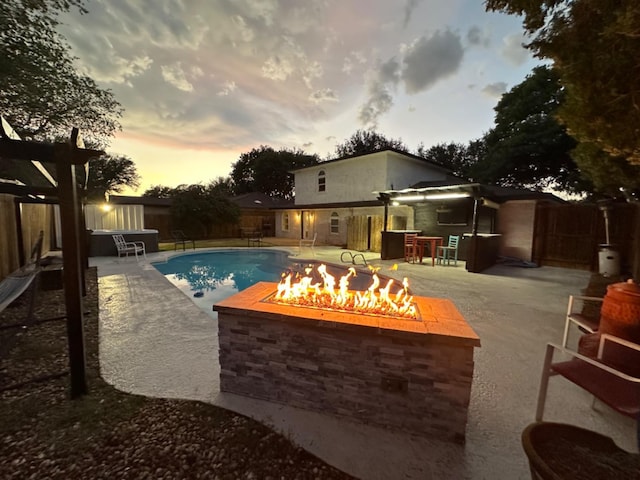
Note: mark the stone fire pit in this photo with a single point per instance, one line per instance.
(403, 374)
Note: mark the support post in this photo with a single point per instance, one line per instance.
(82, 243)
(472, 252)
(68, 198)
(18, 212)
(385, 199)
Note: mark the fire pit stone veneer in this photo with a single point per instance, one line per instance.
(408, 375)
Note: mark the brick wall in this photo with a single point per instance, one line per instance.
(411, 382)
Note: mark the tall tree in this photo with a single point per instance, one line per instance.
(528, 147)
(158, 191)
(266, 170)
(109, 174)
(367, 141)
(197, 208)
(611, 176)
(457, 157)
(42, 94)
(594, 44)
(222, 185)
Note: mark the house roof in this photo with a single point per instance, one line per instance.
(401, 152)
(316, 206)
(255, 200)
(261, 201)
(131, 200)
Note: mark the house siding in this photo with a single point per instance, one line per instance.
(351, 180)
(355, 179)
(399, 217)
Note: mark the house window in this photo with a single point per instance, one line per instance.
(322, 181)
(285, 222)
(335, 223)
(453, 213)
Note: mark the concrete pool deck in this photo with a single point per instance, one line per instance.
(155, 341)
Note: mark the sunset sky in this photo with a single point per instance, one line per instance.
(203, 81)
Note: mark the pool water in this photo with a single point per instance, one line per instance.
(210, 277)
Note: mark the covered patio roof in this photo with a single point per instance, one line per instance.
(28, 169)
(442, 190)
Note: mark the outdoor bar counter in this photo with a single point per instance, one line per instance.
(480, 251)
(393, 243)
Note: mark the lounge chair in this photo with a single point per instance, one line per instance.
(179, 238)
(125, 248)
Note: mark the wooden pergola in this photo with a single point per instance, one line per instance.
(59, 165)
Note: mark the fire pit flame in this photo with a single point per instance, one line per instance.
(324, 294)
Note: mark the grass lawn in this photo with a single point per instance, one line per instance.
(232, 242)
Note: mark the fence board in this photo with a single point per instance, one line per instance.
(375, 242)
(8, 236)
(357, 233)
(570, 235)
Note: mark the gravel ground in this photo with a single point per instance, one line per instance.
(114, 435)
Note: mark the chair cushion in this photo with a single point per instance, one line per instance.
(621, 395)
(624, 359)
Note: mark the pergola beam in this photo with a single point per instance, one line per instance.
(43, 152)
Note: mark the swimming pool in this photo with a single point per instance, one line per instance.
(209, 277)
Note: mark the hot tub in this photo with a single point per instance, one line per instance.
(101, 242)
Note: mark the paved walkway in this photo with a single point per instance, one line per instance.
(155, 341)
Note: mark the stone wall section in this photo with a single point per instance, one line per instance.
(410, 382)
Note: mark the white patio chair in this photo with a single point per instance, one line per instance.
(125, 248)
(587, 323)
(612, 377)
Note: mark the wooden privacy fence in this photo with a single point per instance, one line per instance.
(571, 235)
(35, 217)
(364, 233)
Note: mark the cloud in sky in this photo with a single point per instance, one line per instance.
(495, 90)
(426, 61)
(477, 36)
(513, 49)
(409, 7)
(226, 76)
(431, 59)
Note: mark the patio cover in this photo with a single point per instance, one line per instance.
(28, 169)
(38, 170)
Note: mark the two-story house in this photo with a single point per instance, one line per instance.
(336, 199)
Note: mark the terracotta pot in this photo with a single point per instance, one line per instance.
(620, 314)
